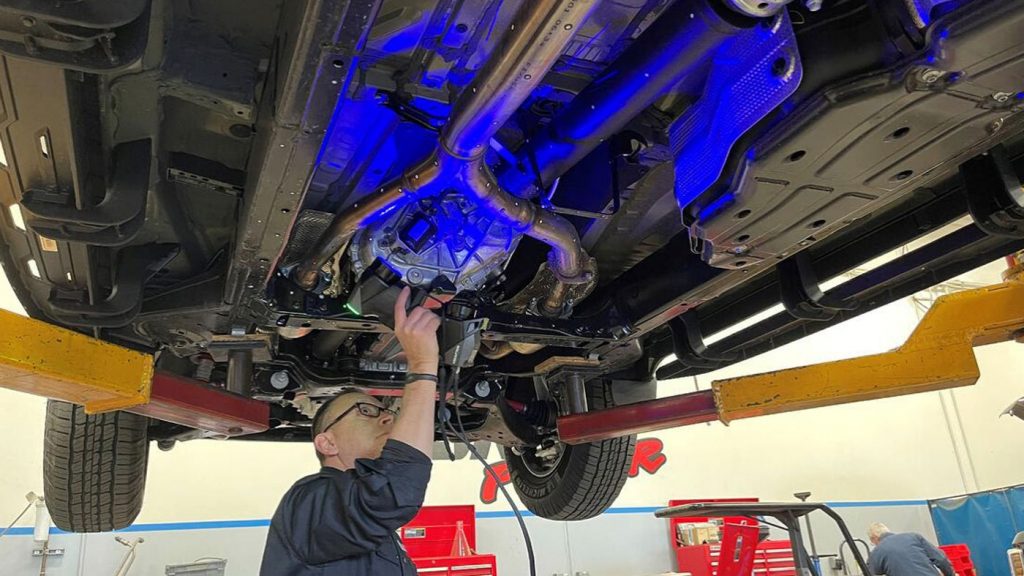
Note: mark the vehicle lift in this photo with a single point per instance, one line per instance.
(939, 354)
(53, 362)
(41, 359)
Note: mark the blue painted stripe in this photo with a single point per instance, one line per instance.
(482, 515)
(634, 510)
(166, 526)
(501, 514)
(204, 525)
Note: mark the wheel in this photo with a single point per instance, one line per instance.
(94, 467)
(564, 482)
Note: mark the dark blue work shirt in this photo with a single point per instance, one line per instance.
(908, 554)
(339, 522)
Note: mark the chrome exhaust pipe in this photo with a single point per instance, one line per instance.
(539, 34)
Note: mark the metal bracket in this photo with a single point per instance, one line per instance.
(115, 220)
(47, 552)
(613, 161)
(92, 36)
(801, 294)
(137, 264)
(995, 198)
(689, 347)
(400, 105)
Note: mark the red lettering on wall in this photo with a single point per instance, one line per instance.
(489, 487)
(648, 455)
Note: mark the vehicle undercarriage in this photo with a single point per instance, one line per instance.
(587, 191)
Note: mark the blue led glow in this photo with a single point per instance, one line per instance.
(419, 228)
(924, 9)
(716, 206)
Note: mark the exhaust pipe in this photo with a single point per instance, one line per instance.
(539, 34)
(673, 49)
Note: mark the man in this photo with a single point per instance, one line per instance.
(907, 554)
(342, 520)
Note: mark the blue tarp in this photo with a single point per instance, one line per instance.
(986, 522)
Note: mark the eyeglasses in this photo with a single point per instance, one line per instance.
(365, 409)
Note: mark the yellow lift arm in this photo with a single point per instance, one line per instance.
(938, 355)
(46, 360)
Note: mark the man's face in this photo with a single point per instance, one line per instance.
(355, 435)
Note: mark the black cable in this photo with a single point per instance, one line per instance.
(444, 386)
(504, 491)
(442, 371)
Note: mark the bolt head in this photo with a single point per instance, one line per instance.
(483, 389)
(279, 380)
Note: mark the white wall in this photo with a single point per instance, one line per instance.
(895, 449)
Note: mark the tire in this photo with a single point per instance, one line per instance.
(587, 478)
(94, 467)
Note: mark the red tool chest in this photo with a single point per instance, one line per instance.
(768, 558)
(960, 556)
(428, 538)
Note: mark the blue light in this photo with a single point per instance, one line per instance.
(419, 228)
(924, 9)
(753, 74)
(716, 206)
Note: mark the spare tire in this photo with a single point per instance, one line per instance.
(94, 467)
(582, 481)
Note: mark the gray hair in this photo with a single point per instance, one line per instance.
(877, 529)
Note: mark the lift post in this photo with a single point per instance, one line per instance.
(938, 355)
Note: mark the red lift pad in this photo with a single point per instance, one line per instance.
(197, 405)
(647, 416)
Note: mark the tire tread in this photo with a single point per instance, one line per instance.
(94, 467)
(589, 483)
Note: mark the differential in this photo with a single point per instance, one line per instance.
(447, 236)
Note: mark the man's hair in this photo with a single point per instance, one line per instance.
(320, 418)
(877, 529)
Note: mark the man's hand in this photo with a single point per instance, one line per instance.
(417, 333)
